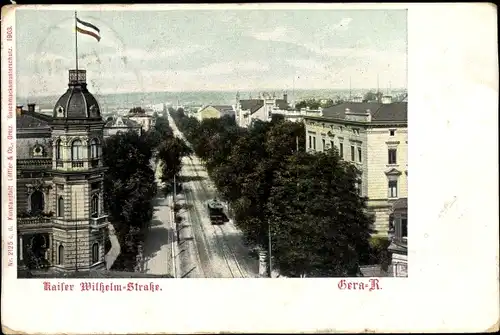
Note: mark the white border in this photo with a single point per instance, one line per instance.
(453, 272)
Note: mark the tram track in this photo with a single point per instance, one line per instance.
(220, 237)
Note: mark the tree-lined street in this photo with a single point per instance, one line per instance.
(206, 250)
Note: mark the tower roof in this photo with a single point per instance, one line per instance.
(77, 102)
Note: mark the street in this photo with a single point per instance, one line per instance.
(206, 250)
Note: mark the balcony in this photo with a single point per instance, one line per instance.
(34, 163)
(80, 163)
(99, 222)
(35, 222)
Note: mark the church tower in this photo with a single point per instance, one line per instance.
(79, 223)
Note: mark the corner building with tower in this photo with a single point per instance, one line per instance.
(61, 221)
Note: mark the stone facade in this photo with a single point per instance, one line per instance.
(61, 220)
(366, 134)
(215, 111)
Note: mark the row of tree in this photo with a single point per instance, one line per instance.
(129, 190)
(130, 185)
(306, 204)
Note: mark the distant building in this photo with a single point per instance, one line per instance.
(143, 118)
(117, 125)
(215, 111)
(374, 137)
(61, 221)
(248, 110)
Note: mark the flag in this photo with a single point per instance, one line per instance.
(88, 29)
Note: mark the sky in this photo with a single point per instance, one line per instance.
(192, 50)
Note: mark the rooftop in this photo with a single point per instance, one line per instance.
(252, 105)
(77, 102)
(122, 122)
(391, 112)
(30, 120)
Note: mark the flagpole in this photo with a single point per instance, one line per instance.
(76, 48)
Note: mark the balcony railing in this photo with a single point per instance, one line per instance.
(34, 222)
(92, 163)
(99, 222)
(43, 162)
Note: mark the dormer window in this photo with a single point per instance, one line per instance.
(93, 111)
(60, 111)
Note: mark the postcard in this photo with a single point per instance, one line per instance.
(244, 168)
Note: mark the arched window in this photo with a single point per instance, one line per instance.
(58, 150)
(36, 202)
(76, 150)
(94, 153)
(60, 255)
(94, 206)
(60, 206)
(95, 253)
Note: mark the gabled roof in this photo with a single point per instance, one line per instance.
(124, 123)
(252, 105)
(393, 112)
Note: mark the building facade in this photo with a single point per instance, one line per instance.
(248, 110)
(61, 222)
(215, 111)
(374, 137)
(117, 125)
(143, 118)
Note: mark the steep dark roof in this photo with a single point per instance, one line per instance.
(397, 111)
(252, 105)
(394, 112)
(27, 120)
(223, 108)
(79, 103)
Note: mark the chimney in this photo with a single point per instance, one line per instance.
(285, 97)
(31, 108)
(368, 115)
(347, 111)
(19, 109)
(386, 99)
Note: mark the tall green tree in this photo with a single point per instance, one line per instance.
(170, 153)
(129, 183)
(318, 221)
